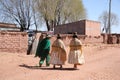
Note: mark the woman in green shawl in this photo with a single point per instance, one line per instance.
(43, 50)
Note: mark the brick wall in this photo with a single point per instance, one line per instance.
(17, 42)
(13, 42)
(85, 39)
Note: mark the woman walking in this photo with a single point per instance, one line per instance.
(58, 53)
(76, 55)
(43, 50)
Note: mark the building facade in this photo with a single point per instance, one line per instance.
(82, 27)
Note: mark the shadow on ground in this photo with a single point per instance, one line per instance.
(46, 68)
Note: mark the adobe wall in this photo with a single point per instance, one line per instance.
(114, 39)
(13, 42)
(85, 39)
(17, 42)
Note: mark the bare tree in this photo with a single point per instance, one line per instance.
(56, 12)
(104, 20)
(19, 12)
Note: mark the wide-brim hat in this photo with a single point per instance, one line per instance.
(49, 36)
(75, 35)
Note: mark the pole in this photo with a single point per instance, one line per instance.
(109, 18)
(109, 24)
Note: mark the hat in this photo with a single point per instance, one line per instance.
(49, 36)
(58, 36)
(75, 35)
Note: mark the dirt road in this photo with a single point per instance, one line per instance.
(102, 63)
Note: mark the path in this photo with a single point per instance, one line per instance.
(102, 63)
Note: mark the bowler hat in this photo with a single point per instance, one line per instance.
(49, 36)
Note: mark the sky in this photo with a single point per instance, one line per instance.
(95, 8)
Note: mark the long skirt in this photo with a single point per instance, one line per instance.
(76, 57)
(55, 59)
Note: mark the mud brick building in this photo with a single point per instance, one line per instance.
(82, 27)
(8, 27)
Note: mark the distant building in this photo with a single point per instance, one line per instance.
(82, 27)
(8, 27)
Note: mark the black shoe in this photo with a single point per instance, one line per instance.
(47, 65)
(60, 66)
(40, 65)
(75, 66)
(53, 66)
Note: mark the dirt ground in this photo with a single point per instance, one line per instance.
(102, 63)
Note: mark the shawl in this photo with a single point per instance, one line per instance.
(76, 44)
(43, 47)
(59, 46)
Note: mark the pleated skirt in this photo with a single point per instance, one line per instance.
(76, 57)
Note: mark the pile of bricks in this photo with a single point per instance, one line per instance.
(111, 39)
